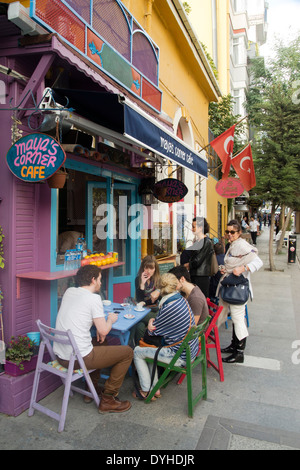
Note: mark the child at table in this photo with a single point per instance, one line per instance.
(147, 290)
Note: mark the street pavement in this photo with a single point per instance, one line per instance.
(257, 407)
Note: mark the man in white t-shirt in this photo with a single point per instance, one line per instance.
(82, 307)
(254, 226)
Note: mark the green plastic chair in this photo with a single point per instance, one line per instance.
(171, 370)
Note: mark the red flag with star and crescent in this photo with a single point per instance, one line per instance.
(244, 167)
(223, 146)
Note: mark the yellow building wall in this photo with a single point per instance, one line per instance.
(201, 18)
(182, 81)
(213, 208)
(180, 78)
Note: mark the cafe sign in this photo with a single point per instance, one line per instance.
(170, 190)
(230, 188)
(35, 157)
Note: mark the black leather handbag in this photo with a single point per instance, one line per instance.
(235, 290)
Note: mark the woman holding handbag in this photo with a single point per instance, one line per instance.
(241, 259)
(172, 324)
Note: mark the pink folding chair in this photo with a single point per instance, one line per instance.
(68, 376)
(212, 341)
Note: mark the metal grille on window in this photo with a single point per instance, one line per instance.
(111, 23)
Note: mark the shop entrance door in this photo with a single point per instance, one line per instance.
(112, 225)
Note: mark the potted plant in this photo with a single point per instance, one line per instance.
(58, 179)
(19, 356)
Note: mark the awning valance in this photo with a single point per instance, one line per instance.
(114, 113)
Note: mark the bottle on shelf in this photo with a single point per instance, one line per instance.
(84, 248)
(79, 244)
(67, 260)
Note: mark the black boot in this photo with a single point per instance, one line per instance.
(231, 348)
(238, 354)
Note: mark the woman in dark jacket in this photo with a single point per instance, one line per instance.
(201, 255)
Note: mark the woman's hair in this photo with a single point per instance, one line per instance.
(169, 283)
(150, 262)
(202, 222)
(86, 274)
(234, 223)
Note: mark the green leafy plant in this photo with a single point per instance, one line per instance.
(19, 349)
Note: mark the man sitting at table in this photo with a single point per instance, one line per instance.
(192, 293)
(82, 307)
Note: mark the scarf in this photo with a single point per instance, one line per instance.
(239, 253)
(168, 298)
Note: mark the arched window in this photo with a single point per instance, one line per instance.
(111, 22)
(144, 57)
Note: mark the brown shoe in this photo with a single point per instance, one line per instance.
(110, 404)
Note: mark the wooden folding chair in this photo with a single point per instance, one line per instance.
(171, 369)
(68, 376)
(212, 340)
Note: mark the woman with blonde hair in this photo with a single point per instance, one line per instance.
(173, 322)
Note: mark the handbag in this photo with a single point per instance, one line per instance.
(235, 290)
(151, 341)
(214, 268)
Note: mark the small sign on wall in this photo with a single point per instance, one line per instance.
(229, 188)
(170, 190)
(35, 157)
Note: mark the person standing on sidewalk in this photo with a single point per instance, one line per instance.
(82, 307)
(201, 253)
(241, 259)
(254, 227)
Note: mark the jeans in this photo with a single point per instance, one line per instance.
(144, 369)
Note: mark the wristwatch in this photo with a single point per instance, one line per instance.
(246, 267)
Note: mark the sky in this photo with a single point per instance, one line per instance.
(283, 22)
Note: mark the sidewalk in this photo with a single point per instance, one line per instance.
(256, 407)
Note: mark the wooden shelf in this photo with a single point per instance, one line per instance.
(54, 276)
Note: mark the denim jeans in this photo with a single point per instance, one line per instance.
(144, 369)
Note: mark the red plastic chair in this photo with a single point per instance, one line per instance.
(212, 341)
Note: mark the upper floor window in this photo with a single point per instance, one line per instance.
(114, 23)
(239, 6)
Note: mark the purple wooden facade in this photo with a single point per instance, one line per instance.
(25, 209)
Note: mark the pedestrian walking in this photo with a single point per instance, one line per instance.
(254, 227)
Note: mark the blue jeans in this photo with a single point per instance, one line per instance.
(144, 369)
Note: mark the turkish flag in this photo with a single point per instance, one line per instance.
(223, 146)
(244, 167)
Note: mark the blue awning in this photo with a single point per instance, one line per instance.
(113, 112)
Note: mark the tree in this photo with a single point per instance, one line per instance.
(187, 8)
(275, 117)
